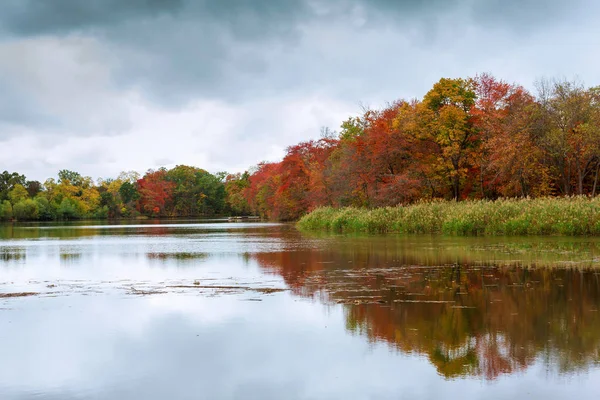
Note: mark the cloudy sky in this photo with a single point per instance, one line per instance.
(101, 86)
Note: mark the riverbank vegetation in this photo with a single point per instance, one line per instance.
(569, 216)
(467, 139)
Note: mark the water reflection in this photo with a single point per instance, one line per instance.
(477, 316)
(8, 254)
(364, 317)
(91, 229)
(180, 259)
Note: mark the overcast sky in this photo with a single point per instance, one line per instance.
(101, 86)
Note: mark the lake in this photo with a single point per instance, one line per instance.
(217, 310)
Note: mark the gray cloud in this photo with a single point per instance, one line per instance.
(16, 108)
(517, 15)
(88, 69)
(246, 19)
(170, 50)
(34, 17)
(174, 51)
(525, 15)
(249, 20)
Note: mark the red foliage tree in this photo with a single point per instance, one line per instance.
(155, 193)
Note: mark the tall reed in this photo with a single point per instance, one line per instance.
(570, 216)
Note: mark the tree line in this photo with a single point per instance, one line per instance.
(474, 138)
(182, 191)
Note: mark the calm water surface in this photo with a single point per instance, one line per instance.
(260, 311)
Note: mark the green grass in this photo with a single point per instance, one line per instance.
(569, 216)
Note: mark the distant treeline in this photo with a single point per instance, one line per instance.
(474, 138)
(179, 192)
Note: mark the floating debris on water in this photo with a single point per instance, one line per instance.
(19, 294)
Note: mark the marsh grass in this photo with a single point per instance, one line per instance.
(569, 216)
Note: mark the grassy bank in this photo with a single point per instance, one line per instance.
(572, 216)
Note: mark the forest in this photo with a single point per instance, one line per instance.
(472, 138)
(182, 191)
(475, 138)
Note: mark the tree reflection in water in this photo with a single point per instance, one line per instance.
(484, 318)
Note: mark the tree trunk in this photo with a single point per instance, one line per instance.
(596, 179)
(456, 179)
(568, 182)
(456, 187)
(481, 181)
(523, 186)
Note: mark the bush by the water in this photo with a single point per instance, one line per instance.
(572, 216)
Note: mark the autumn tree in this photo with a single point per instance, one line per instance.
(569, 133)
(263, 184)
(510, 160)
(235, 187)
(349, 164)
(393, 156)
(594, 130)
(156, 193)
(447, 118)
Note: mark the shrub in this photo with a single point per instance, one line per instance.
(26, 210)
(67, 210)
(6, 211)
